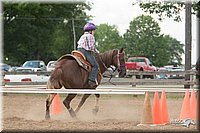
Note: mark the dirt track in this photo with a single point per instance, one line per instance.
(25, 112)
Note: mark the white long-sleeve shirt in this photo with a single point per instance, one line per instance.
(87, 41)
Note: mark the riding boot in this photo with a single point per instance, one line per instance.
(92, 83)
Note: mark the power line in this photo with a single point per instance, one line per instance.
(47, 18)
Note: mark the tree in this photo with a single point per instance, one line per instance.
(107, 37)
(170, 9)
(35, 30)
(175, 49)
(141, 36)
(143, 39)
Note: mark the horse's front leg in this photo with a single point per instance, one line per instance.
(96, 107)
(48, 103)
(83, 99)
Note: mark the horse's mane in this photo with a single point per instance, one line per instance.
(108, 56)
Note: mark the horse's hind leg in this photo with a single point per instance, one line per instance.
(83, 99)
(48, 103)
(96, 107)
(67, 101)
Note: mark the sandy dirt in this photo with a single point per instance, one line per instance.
(26, 112)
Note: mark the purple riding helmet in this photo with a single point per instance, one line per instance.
(89, 27)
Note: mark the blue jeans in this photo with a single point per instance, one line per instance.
(90, 57)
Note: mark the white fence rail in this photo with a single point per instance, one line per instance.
(71, 91)
(99, 90)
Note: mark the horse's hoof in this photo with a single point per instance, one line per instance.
(95, 110)
(47, 117)
(72, 113)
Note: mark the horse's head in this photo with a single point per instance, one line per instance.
(113, 57)
(119, 61)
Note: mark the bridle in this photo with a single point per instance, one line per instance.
(118, 68)
(119, 65)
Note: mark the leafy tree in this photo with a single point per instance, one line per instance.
(107, 37)
(175, 49)
(37, 30)
(143, 39)
(170, 9)
(141, 36)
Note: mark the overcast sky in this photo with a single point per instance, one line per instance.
(122, 12)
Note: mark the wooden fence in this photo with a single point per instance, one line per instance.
(131, 80)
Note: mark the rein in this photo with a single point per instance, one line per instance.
(118, 68)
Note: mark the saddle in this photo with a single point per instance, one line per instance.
(82, 59)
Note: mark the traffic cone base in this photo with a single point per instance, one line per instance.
(152, 125)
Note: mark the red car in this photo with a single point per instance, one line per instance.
(140, 64)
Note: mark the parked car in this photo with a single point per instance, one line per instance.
(162, 76)
(175, 69)
(51, 66)
(4, 67)
(32, 66)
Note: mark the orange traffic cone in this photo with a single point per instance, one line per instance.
(164, 109)
(56, 106)
(185, 110)
(156, 110)
(147, 113)
(193, 105)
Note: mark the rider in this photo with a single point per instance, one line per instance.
(86, 45)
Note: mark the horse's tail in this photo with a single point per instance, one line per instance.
(55, 81)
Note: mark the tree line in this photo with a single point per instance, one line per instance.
(45, 31)
(143, 38)
(40, 30)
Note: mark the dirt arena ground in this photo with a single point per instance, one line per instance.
(25, 112)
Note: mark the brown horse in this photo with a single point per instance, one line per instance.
(70, 75)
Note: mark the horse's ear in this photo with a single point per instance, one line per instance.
(121, 50)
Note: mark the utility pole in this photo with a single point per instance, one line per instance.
(188, 37)
(74, 33)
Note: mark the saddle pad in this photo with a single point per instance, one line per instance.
(80, 62)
